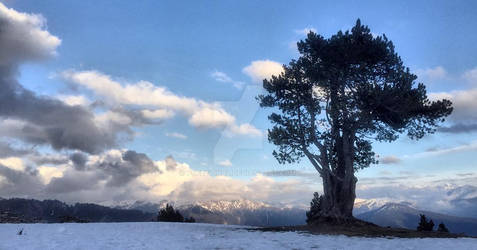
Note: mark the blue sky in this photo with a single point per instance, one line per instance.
(202, 49)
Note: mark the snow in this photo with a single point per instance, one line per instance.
(161, 235)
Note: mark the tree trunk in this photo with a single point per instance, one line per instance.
(339, 184)
(338, 198)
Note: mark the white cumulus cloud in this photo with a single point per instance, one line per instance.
(262, 69)
(430, 74)
(200, 114)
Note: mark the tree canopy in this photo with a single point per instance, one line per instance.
(340, 95)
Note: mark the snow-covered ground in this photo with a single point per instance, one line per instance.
(159, 235)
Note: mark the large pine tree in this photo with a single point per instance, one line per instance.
(338, 97)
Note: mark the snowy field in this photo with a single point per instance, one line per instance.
(154, 235)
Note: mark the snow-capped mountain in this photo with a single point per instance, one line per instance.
(233, 212)
(230, 206)
(404, 215)
(365, 205)
(221, 206)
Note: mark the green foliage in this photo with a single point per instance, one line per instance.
(352, 86)
(425, 225)
(442, 228)
(315, 207)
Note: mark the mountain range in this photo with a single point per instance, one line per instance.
(404, 215)
(235, 212)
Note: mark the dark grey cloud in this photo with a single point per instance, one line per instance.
(79, 161)
(129, 166)
(49, 121)
(459, 128)
(48, 159)
(112, 171)
(19, 183)
(73, 181)
(6, 150)
(171, 163)
(41, 119)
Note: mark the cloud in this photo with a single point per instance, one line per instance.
(463, 118)
(450, 196)
(157, 114)
(39, 119)
(7, 150)
(463, 101)
(471, 75)
(225, 163)
(14, 163)
(459, 128)
(176, 135)
(123, 167)
(118, 175)
(19, 182)
(288, 173)
(211, 117)
(74, 100)
(222, 77)
(244, 129)
(262, 69)
(23, 37)
(200, 114)
(430, 74)
(305, 31)
(79, 161)
(472, 146)
(48, 159)
(390, 159)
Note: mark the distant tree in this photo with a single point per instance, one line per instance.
(425, 225)
(315, 207)
(169, 214)
(442, 228)
(339, 96)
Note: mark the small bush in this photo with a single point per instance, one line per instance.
(442, 228)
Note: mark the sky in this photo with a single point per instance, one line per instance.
(148, 100)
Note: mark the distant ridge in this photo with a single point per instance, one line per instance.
(17, 210)
(233, 212)
(403, 215)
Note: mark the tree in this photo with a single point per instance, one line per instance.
(315, 207)
(168, 214)
(442, 228)
(339, 96)
(425, 225)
